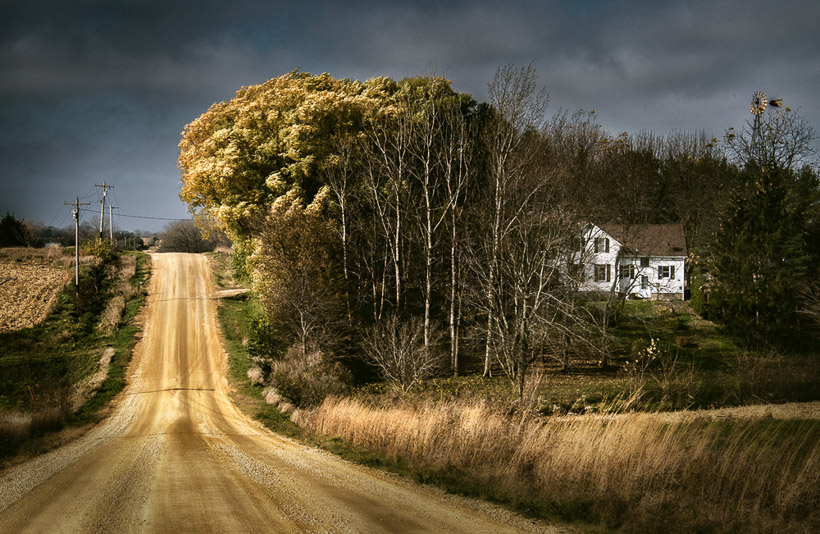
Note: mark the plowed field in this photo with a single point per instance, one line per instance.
(27, 293)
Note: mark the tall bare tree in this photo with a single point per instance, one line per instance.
(457, 149)
(426, 151)
(386, 173)
(340, 171)
(775, 139)
(518, 109)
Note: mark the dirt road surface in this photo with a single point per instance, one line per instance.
(178, 456)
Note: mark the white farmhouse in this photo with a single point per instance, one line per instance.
(640, 260)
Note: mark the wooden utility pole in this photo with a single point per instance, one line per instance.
(77, 205)
(111, 222)
(105, 189)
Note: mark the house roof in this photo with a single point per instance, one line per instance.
(649, 239)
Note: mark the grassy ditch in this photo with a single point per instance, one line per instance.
(235, 317)
(63, 371)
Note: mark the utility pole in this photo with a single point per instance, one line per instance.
(105, 189)
(77, 205)
(111, 222)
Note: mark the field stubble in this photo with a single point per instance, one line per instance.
(30, 280)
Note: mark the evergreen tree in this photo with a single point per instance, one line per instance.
(760, 254)
(15, 233)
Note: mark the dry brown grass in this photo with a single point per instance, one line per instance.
(128, 267)
(123, 292)
(34, 255)
(18, 426)
(638, 471)
(50, 414)
(111, 316)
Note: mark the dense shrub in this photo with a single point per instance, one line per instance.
(185, 236)
(308, 377)
(102, 249)
(17, 233)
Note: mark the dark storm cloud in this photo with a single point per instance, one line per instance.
(102, 89)
(160, 46)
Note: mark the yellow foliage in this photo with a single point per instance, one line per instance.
(270, 139)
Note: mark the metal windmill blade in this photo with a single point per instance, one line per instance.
(759, 103)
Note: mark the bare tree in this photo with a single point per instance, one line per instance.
(518, 108)
(185, 236)
(538, 310)
(780, 139)
(386, 161)
(575, 143)
(457, 149)
(698, 176)
(396, 348)
(439, 170)
(425, 148)
(339, 173)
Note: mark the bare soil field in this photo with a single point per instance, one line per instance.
(30, 280)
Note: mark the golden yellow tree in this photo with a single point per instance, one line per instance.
(271, 139)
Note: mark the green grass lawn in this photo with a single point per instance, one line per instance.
(695, 366)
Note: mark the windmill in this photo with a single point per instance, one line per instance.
(758, 106)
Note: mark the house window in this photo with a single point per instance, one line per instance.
(666, 271)
(578, 244)
(645, 261)
(603, 272)
(576, 271)
(644, 282)
(626, 272)
(601, 244)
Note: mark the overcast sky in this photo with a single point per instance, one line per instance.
(94, 91)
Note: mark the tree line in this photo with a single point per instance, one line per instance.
(16, 232)
(408, 222)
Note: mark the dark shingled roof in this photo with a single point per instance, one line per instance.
(649, 239)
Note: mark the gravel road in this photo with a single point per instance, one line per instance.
(177, 455)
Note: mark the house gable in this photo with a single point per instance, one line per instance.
(646, 260)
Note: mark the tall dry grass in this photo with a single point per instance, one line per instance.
(641, 472)
(49, 415)
(122, 292)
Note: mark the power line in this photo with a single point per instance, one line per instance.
(55, 216)
(89, 193)
(142, 216)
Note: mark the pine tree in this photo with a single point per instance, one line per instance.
(760, 256)
(15, 233)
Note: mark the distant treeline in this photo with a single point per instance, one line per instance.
(22, 233)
